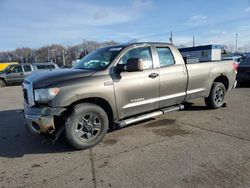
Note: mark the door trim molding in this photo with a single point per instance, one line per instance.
(158, 99)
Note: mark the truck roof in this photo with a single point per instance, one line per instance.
(41, 63)
(140, 44)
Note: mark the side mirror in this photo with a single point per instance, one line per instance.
(134, 64)
(120, 68)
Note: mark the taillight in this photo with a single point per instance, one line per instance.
(235, 65)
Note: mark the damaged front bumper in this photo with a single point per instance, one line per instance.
(41, 120)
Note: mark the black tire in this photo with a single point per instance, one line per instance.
(86, 126)
(2, 83)
(216, 96)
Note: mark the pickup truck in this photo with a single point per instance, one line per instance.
(15, 73)
(119, 85)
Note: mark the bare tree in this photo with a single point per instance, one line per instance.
(55, 52)
(23, 54)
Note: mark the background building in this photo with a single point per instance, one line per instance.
(203, 53)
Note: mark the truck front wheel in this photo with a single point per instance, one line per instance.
(86, 126)
(216, 96)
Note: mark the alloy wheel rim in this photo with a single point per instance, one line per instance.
(219, 96)
(88, 127)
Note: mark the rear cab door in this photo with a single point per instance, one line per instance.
(137, 92)
(173, 75)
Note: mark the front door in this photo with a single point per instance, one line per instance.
(15, 74)
(137, 92)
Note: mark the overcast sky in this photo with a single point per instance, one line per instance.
(34, 23)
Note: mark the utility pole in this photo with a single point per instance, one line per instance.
(63, 58)
(171, 37)
(193, 41)
(236, 42)
(48, 54)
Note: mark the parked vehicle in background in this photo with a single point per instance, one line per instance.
(15, 74)
(243, 74)
(119, 85)
(44, 66)
(3, 65)
(237, 58)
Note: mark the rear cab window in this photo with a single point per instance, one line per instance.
(165, 56)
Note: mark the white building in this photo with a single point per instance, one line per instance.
(203, 53)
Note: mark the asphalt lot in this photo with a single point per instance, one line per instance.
(196, 147)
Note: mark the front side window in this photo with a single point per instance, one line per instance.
(165, 56)
(143, 53)
(16, 69)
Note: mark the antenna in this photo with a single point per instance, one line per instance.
(236, 42)
(171, 37)
(193, 41)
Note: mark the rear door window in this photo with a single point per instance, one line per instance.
(165, 56)
(27, 68)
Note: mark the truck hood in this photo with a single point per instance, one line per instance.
(42, 79)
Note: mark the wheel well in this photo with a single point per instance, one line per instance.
(3, 80)
(224, 80)
(100, 102)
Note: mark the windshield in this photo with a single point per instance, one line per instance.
(98, 59)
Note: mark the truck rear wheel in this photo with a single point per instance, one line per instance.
(2, 83)
(216, 96)
(86, 126)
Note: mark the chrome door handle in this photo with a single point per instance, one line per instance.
(153, 75)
